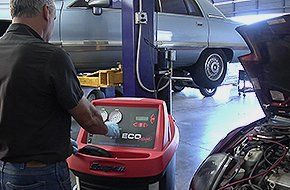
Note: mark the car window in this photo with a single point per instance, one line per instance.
(117, 4)
(158, 6)
(79, 3)
(193, 8)
(173, 6)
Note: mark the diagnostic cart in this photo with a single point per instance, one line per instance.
(142, 158)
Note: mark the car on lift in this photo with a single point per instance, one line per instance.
(204, 40)
(256, 156)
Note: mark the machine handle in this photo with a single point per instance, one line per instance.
(95, 151)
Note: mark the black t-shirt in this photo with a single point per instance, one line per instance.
(38, 85)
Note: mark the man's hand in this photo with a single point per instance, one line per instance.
(113, 130)
(88, 117)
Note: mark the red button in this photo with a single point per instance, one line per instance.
(141, 125)
(152, 119)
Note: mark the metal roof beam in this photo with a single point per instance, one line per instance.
(258, 10)
(230, 2)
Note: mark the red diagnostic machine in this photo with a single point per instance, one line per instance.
(142, 158)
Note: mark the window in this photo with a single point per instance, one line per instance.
(193, 8)
(173, 6)
(116, 4)
(157, 6)
(78, 3)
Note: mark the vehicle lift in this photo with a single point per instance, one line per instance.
(145, 76)
(102, 83)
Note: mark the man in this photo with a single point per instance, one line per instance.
(39, 92)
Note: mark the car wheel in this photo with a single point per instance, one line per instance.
(96, 94)
(208, 92)
(119, 92)
(177, 86)
(210, 69)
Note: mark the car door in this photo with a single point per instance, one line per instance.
(182, 26)
(5, 18)
(94, 41)
(56, 32)
(4, 10)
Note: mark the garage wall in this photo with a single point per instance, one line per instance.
(251, 7)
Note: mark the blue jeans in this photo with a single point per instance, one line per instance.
(51, 177)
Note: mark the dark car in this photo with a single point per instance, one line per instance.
(256, 156)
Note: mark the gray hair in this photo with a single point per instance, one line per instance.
(29, 8)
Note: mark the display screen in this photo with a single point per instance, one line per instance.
(141, 118)
(137, 126)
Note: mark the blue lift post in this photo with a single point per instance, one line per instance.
(148, 57)
(129, 43)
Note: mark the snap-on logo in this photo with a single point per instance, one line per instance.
(106, 168)
(131, 136)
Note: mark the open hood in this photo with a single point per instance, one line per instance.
(268, 64)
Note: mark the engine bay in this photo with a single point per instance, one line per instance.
(260, 160)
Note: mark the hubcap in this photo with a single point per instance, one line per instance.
(214, 67)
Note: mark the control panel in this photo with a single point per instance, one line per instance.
(137, 126)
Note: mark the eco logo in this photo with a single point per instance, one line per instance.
(131, 136)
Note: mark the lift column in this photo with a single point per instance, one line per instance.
(147, 59)
(146, 84)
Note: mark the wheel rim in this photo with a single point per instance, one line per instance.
(214, 67)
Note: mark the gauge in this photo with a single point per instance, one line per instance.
(115, 116)
(104, 114)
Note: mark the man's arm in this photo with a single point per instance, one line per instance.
(88, 117)
(70, 96)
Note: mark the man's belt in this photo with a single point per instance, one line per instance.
(34, 164)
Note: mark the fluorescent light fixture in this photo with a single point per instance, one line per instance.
(250, 19)
(230, 2)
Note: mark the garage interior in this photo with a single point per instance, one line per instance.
(203, 122)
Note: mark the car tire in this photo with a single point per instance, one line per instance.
(119, 92)
(210, 69)
(208, 92)
(96, 94)
(177, 86)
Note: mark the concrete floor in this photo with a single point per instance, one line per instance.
(203, 122)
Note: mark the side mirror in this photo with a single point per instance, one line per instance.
(99, 3)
